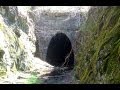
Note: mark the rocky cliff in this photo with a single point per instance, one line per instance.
(99, 53)
(17, 40)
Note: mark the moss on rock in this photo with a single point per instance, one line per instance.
(98, 61)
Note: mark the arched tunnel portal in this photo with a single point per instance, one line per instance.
(60, 52)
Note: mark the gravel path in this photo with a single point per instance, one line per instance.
(64, 78)
(45, 75)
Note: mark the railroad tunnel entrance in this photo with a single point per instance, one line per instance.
(60, 52)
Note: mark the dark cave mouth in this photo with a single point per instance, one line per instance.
(60, 52)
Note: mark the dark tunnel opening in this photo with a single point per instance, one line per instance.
(60, 52)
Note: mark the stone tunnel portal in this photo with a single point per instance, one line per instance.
(60, 51)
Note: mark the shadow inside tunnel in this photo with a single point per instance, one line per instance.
(60, 52)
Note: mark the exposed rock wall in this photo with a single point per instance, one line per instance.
(17, 40)
(99, 54)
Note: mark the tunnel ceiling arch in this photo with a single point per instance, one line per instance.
(60, 51)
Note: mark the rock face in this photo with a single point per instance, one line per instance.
(49, 22)
(99, 54)
(17, 41)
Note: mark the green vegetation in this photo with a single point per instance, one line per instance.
(98, 60)
(33, 79)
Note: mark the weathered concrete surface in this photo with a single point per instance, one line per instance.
(49, 22)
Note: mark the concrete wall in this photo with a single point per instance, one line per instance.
(48, 23)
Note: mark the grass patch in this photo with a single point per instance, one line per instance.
(34, 79)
